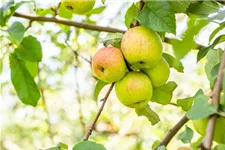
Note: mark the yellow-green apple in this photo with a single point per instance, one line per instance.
(78, 6)
(158, 74)
(108, 64)
(134, 90)
(201, 125)
(141, 47)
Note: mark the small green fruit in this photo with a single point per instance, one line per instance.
(141, 47)
(158, 74)
(134, 90)
(108, 64)
(201, 125)
(78, 6)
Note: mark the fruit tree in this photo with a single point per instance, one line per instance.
(112, 75)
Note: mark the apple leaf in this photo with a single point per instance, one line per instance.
(113, 39)
(196, 143)
(186, 136)
(219, 147)
(97, 10)
(162, 148)
(155, 144)
(185, 103)
(183, 46)
(201, 108)
(30, 49)
(158, 16)
(179, 6)
(88, 145)
(203, 51)
(212, 35)
(130, 15)
(98, 87)
(213, 57)
(32, 67)
(164, 93)
(23, 82)
(173, 62)
(16, 33)
(204, 8)
(149, 113)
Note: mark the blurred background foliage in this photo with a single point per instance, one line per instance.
(67, 106)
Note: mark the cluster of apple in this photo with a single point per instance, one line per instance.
(137, 68)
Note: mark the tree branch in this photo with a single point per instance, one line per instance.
(99, 113)
(207, 143)
(68, 22)
(172, 132)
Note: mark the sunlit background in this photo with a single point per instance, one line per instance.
(67, 107)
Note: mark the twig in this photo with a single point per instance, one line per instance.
(30, 24)
(79, 100)
(207, 143)
(142, 3)
(45, 106)
(68, 22)
(172, 132)
(99, 113)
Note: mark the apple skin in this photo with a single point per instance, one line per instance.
(78, 6)
(141, 47)
(108, 64)
(158, 74)
(134, 90)
(201, 125)
(184, 148)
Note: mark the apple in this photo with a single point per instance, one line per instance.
(78, 6)
(158, 74)
(201, 125)
(134, 90)
(184, 148)
(141, 47)
(108, 64)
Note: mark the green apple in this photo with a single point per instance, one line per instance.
(134, 90)
(201, 125)
(158, 74)
(141, 47)
(78, 6)
(108, 64)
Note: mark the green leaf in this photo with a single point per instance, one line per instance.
(16, 33)
(221, 26)
(162, 148)
(158, 16)
(44, 12)
(60, 146)
(201, 108)
(23, 82)
(97, 10)
(164, 93)
(30, 49)
(32, 67)
(219, 147)
(155, 144)
(65, 13)
(203, 51)
(113, 39)
(198, 142)
(88, 145)
(183, 46)
(98, 87)
(179, 6)
(185, 103)
(149, 113)
(103, 1)
(8, 9)
(186, 136)
(130, 15)
(213, 57)
(204, 8)
(173, 62)
(223, 87)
